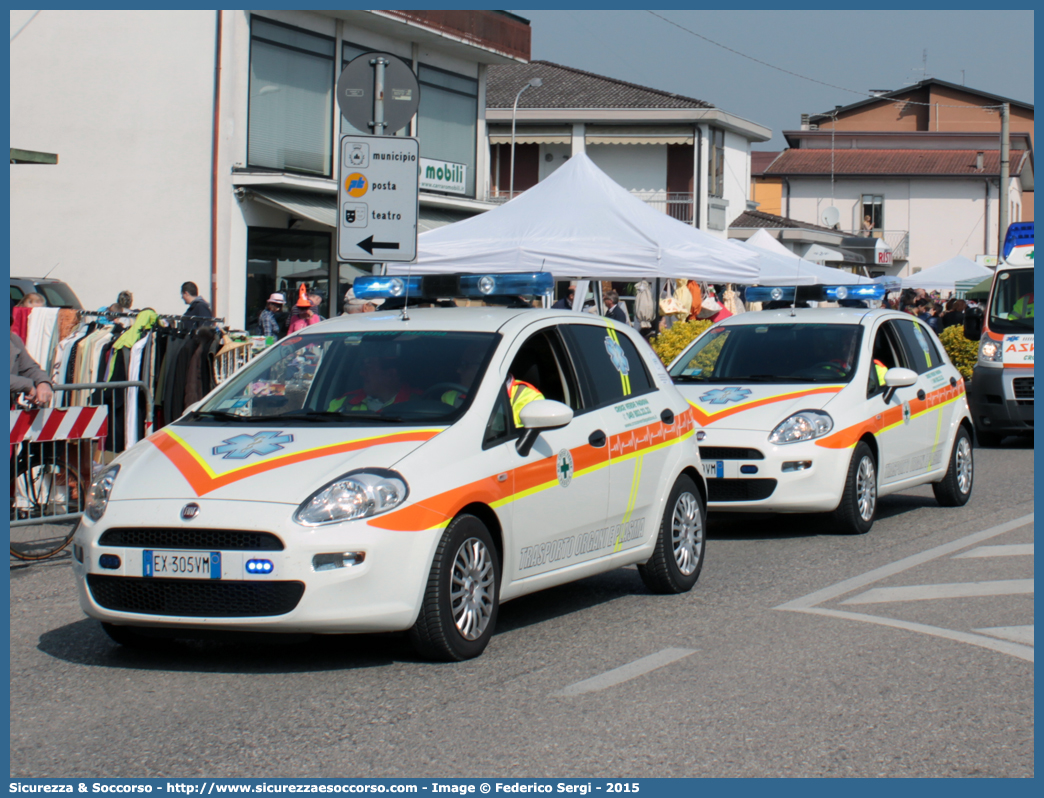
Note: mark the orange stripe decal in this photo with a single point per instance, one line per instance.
(890, 417)
(203, 480)
(705, 418)
(529, 478)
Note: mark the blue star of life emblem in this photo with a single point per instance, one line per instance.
(261, 443)
(1012, 338)
(617, 355)
(721, 396)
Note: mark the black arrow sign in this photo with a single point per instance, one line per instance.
(370, 245)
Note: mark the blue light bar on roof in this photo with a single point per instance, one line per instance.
(385, 287)
(436, 286)
(834, 293)
(512, 284)
(778, 293)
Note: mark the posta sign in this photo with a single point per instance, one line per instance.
(443, 176)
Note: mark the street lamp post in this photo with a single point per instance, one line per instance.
(534, 83)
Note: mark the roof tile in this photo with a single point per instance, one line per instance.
(565, 87)
(891, 162)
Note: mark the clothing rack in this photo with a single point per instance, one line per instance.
(134, 314)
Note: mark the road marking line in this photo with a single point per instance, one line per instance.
(1019, 634)
(1001, 646)
(1010, 550)
(625, 673)
(999, 587)
(850, 585)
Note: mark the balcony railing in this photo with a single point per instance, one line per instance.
(898, 240)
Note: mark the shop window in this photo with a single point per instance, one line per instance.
(283, 260)
(873, 215)
(447, 119)
(291, 99)
(716, 162)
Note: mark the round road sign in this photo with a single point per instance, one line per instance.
(355, 93)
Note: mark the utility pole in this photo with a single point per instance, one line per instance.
(1002, 218)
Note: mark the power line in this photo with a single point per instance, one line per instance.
(806, 77)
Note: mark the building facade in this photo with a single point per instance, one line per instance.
(201, 145)
(677, 153)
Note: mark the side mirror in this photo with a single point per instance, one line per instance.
(539, 415)
(973, 324)
(897, 378)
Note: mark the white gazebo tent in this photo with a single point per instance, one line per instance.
(944, 276)
(779, 266)
(580, 223)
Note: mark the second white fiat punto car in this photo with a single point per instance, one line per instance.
(825, 410)
(372, 474)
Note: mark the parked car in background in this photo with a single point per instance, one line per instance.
(57, 293)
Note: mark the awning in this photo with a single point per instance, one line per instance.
(555, 134)
(818, 252)
(642, 134)
(318, 208)
(867, 249)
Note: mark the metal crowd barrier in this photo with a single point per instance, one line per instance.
(117, 397)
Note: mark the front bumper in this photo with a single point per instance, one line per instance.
(380, 594)
(817, 488)
(1001, 400)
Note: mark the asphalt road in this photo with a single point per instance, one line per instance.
(904, 652)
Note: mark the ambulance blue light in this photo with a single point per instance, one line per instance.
(528, 284)
(259, 566)
(764, 293)
(110, 561)
(385, 287)
(834, 293)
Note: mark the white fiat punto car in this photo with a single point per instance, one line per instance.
(825, 410)
(369, 475)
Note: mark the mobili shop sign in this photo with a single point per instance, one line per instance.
(445, 176)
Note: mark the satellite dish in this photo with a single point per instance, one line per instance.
(831, 216)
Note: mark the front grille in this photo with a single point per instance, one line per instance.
(729, 453)
(190, 538)
(1023, 387)
(739, 490)
(191, 598)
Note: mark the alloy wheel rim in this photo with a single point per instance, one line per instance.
(471, 588)
(964, 465)
(866, 488)
(687, 533)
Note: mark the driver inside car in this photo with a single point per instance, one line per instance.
(833, 351)
(381, 387)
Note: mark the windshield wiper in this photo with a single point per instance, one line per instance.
(224, 415)
(776, 378)
(370, 417)
(997, 321)
(308, 415)
(688, 378)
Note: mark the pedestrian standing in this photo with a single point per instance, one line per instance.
(353, 305)
(305, 316)
(26, 375)
(613, 310)
(198, 309)
(269, 318)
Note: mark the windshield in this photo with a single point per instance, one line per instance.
(408, 377)
(772, 353)
(1011, 305)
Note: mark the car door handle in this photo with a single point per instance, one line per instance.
(597, 439)
(667, 416)
(921, 394)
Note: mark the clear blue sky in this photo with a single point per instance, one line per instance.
(859, 50)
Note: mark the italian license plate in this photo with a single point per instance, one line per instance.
(714, 470)
(181, 564)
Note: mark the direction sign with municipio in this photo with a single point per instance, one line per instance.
(377, 199)
(355, 93)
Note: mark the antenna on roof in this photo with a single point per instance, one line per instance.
(55, 265)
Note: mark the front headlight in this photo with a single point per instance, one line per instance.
(803, 426)
(990, 351)
(357, 494)
(98, 493)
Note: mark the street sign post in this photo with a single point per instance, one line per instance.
(377, 199)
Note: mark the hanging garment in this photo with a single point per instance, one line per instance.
(134, 374)
(40, 330)
(697, 299)
(644, 306)
(20, 321)
(68, 320)
(684, 299)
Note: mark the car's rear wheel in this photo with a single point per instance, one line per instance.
(956, 487)
(677, 560)
(857, 510)
(462, 597)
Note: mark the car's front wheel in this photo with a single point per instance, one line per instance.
(462, 597)
(677, 560)
(955, 488)
(857, 510)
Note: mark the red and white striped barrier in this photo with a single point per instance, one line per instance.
(36, 426)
